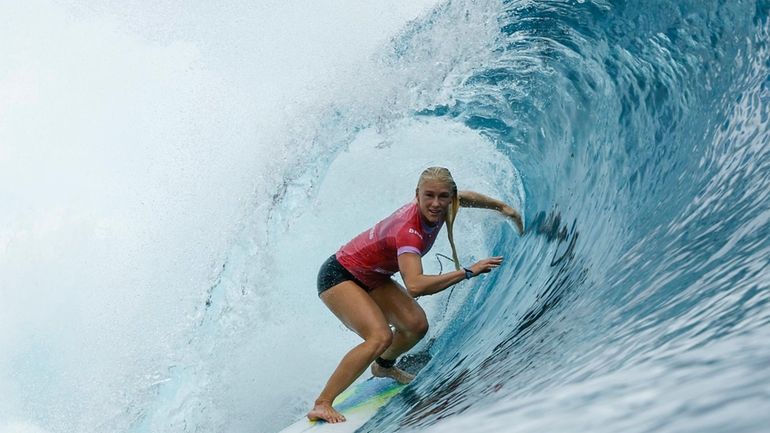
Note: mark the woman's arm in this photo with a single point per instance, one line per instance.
(478, 200)
(419, 284)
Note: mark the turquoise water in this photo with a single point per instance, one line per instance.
(642, 126)
(171, 180)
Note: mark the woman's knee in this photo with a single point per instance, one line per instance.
(415, 327)
(380, 339)
(418, 327)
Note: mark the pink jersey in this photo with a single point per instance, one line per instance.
(372, 256)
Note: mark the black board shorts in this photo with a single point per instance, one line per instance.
(333, 273)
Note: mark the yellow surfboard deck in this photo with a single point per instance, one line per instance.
(358, 403)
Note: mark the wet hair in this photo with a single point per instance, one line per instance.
(442, 175)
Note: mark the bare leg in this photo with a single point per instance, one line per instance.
(410, 322)
(358, 311)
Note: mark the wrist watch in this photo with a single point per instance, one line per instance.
(468, 273)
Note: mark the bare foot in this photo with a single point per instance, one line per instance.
(324, 411)
(396, 373)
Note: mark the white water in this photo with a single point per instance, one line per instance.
(133, 141)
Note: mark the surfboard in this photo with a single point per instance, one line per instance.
(358, 403)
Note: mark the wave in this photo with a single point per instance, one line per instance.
(633, 135)
(638, 299)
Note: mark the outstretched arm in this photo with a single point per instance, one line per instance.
(419, 284)
(478, 200)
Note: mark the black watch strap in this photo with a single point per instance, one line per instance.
(468, 273)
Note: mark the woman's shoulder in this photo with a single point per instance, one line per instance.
(409, 209)
(408, 215)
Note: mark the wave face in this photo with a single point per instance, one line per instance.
(633, 135)
(638, 299)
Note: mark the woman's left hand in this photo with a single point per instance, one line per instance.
(515, 216)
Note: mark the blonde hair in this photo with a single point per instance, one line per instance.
(441, 174)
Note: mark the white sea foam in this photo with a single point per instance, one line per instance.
(133, 140)
(21, 427)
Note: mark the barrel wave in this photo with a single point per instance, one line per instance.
(638, 298)
(179, 295)
(634, 137)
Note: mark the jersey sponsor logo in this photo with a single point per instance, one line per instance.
(413, 231)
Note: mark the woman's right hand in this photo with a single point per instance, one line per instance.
(486, 265)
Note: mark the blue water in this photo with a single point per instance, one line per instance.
(638, 299)
(635, 138)
(173, 179)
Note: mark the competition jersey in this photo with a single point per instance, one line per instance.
(372, 256)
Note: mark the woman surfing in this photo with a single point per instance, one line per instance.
(356, 285)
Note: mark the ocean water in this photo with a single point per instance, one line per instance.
(172, 177)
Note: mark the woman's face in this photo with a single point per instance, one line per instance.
(434, 198)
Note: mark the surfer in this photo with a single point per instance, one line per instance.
(356, 285)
